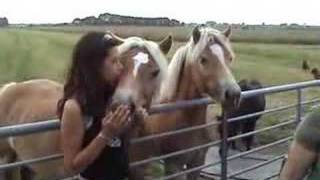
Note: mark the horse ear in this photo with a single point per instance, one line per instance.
(196, 35)
(228, 31)
(110, 36)
(165, 44)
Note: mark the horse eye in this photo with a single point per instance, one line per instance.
(155, 73)
(203, 60)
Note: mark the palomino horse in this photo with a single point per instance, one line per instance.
(198, 69)
(36, 100)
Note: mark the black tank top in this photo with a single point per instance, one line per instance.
(112, 163)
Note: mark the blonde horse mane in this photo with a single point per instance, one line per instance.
(184, 55)
(169, 86)
(4, 87)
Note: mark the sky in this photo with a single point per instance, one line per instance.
(199, 11)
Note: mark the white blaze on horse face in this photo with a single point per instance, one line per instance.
(228, 81)
(218, 51)
(139, 59)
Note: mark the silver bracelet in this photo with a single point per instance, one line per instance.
(112, 142)
(104, 137)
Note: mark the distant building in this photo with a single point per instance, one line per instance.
(76, 21)
(4, 22)
(108, 18)
(211, 23)
(283, 25)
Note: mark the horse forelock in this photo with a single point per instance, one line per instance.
(195, 49)
(153, 49)
(158, 56)
(208, 33)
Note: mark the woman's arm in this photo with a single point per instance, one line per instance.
(72, 133)
(304, 149)
(299, 161)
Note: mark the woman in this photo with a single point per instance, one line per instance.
(91, 136)
(304, 154)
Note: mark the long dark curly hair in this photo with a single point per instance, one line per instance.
(84, 80)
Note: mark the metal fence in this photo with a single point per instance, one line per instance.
(37, 127)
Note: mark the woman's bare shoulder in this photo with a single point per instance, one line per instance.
(72, 111)
(72, 105)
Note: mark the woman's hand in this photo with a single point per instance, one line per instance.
(115, 122)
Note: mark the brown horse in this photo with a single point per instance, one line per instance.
(316, 73)
(305, 65)
(36, 100)
(198, 69)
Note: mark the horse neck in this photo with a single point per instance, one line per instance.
(187, 90)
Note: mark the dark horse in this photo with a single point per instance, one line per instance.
(315, 72)
(305, 65)
(247, 106)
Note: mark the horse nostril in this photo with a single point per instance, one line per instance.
(232, 97)
(132, 107)
(237, 99)
(227, 95)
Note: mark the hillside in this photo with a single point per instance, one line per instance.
(115, 19)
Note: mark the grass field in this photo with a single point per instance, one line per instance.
(28, 54)
(257, 34)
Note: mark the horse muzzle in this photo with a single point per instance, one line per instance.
(231, 97)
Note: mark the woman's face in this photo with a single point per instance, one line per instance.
(112, 68)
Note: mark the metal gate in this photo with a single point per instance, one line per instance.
(24, 129)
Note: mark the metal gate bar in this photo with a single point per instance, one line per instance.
(36, 127)
(258, 165)
(281, 141)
